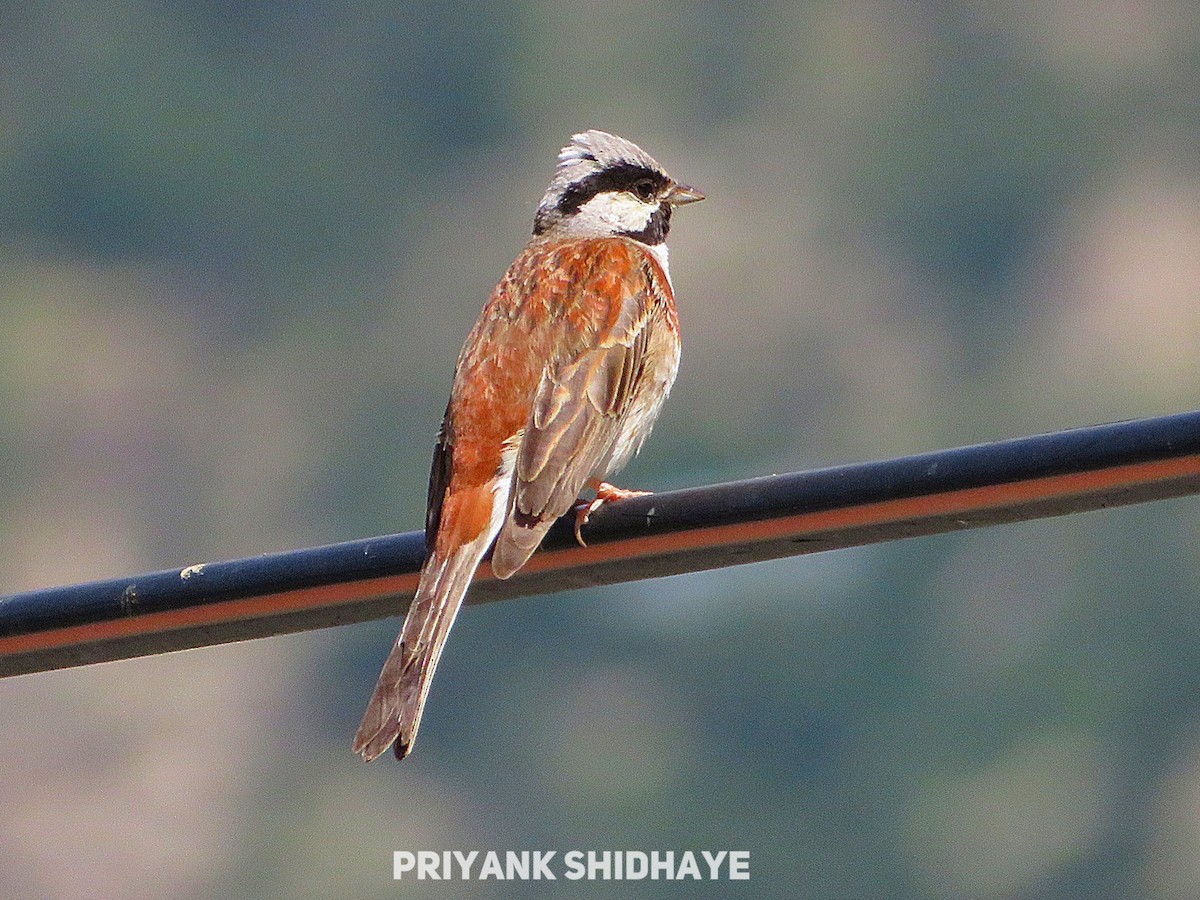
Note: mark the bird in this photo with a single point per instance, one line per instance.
(556, 387)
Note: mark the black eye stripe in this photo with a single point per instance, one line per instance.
(618, 177)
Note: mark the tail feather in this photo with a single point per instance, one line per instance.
(394, 712)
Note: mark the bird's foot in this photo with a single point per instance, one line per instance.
(604, 493)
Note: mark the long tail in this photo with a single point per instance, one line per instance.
(394, 713)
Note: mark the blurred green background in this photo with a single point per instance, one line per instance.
(240, 246)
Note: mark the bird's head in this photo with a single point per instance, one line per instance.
(604, 186)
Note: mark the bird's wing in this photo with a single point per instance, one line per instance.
(585, 389)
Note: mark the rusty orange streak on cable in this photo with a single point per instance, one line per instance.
(258, 606)
(917, 508)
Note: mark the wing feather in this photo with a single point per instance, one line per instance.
(439, 480)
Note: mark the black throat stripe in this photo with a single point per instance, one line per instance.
(656, 229)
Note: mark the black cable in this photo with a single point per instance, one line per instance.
(646, 537)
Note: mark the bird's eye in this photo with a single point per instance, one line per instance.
(643, 189)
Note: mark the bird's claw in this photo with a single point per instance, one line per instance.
(604, 493)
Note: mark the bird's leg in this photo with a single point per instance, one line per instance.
(604, 493)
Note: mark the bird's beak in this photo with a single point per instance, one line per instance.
(681, 194)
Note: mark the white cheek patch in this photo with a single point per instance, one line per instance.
(615, 212)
